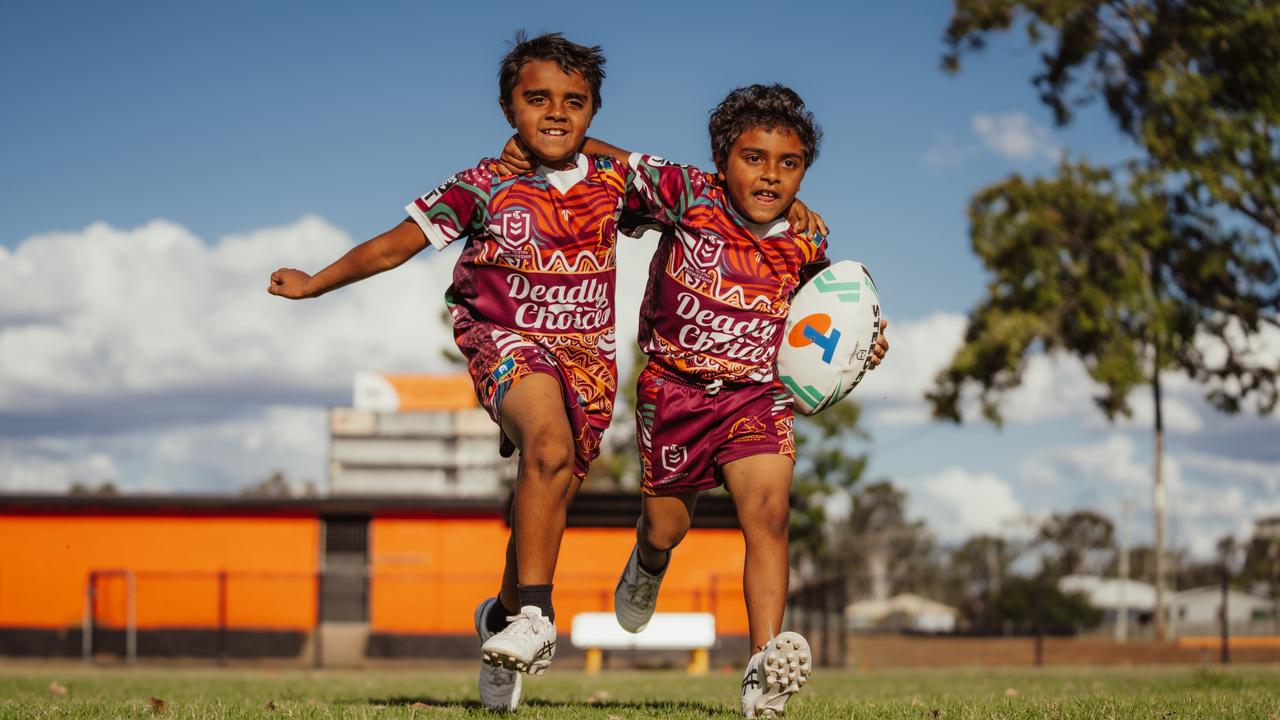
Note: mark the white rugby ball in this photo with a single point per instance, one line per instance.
(830, 331)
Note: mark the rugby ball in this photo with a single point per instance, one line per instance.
(828, 337)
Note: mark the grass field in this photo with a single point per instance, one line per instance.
(72, 691)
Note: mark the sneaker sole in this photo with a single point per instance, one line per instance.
(510, 662)
(787, 665)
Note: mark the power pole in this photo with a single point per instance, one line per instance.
(1157, 503)
(1122, 607)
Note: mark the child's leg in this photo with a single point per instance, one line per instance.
(761, 485)
(533, 416)
(664, 521)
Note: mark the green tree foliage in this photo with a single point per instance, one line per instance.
(1117, 272)
(1022, 603)
(1076, 542)
(881, 552)
(825, 464)
(1195, 84)
(976, 572)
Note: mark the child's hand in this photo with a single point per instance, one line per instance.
(803, 220)
(515, 159)
(289, 283)
(882, 346)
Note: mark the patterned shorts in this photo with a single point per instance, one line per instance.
(493, 384)
(686, 433)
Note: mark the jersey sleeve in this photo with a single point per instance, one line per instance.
(662, 190)
(454, 209)
(813, 255)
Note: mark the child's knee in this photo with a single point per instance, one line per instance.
(664, 534)
(548, 456)
(769, 513)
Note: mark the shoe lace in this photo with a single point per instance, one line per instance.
(643, 590)
(522, 624)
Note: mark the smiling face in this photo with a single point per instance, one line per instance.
(762, 172)
(550, 111)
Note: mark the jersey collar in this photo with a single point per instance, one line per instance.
(762, 231)
(562, 180)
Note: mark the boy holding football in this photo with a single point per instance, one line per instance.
(709, 408)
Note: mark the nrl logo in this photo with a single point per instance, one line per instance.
(707, 253)
(516, 227)
(673, 456)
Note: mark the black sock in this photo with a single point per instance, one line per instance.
(496, 620)
(658, 570)
(539, 596)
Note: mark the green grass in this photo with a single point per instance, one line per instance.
(73, 691)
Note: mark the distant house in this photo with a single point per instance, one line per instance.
(1193, 612)
(904, 612)
(1199, 610)
(1113, 596)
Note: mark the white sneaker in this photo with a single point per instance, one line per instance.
(527, 644)
(775, 674)
(636, 595)
(499, 687)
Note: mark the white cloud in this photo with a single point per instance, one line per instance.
(957, 503)
(918, 350)
(212, 457)
(152, 359)
(105, 314)
(1112, 463)
(1015, 136)
(946, 153)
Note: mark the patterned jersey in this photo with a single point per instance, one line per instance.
(720, 286)
(538, 267)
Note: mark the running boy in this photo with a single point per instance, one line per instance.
(532, 308)
(710, 409)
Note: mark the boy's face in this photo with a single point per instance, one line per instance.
(551, 111)
(762, 172)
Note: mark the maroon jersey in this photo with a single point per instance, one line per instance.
(719, 286)
(537, 269)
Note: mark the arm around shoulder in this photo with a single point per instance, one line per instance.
(379, 254)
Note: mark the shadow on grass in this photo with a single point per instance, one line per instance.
(471, 704)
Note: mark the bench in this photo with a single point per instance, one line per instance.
(596, 632)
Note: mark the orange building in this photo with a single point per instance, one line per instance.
(253, 577)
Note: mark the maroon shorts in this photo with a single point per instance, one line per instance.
(686, 432)
(521, 361)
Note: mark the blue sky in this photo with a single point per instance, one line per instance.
(157, 160)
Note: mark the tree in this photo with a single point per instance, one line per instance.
(1024, 602)
(1195, 84)
(272, 486)
(978, 569)
(1197, 87)
(106, 488)
(881, 551)
(824, 466)
(1080, 541)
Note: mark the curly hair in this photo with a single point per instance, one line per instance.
(762, 106)
(570, 56)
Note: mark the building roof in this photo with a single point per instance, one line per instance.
(410, 392)
(904, 604)
(1213, 593)
(589, 509)
(1112, 593)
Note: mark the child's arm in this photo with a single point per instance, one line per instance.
(516, 159)
(371, 257)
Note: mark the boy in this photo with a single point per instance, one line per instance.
(532, 309)
(710, 409)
